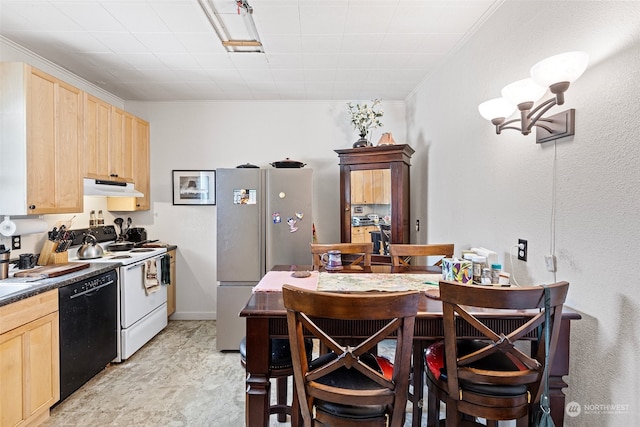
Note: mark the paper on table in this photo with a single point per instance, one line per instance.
(349, 282)
(273, 281)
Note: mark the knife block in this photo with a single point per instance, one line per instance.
(49, 256)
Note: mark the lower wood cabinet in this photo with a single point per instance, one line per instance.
(171, 290)
(29, 359)
(362, 234)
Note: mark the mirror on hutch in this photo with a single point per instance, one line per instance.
(374, 196)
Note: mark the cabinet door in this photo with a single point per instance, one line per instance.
(43, 369)
(30, 370)
(141, 163)
(381, 186)
(121, 146)
(97, 125)
(171, 291)
(357, 186)
(54, 145)
(11, 369)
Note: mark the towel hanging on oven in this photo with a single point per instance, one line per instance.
(150, 271)
(165, 269)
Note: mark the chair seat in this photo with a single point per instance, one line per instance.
(352, 379)
(280, 352)
(435, 362)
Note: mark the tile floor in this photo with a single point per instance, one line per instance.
(177, 379)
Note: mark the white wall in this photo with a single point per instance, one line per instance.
(479, 188)
(211, 135)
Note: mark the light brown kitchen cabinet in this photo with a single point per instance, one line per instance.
(29, 359)
(171, 290)
(42, 136)
(121, 146)
(371, 187)
(141, 163)
(375, 176)
(97, 125)
(362, 234)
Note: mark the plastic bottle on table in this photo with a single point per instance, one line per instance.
(495, 273)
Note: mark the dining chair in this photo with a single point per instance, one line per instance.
(490, 377)
(401, 254)
(385, 238)
(362, 251)
(350, 385)
(281, 368)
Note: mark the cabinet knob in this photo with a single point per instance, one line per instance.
(32, 207)
(114, 175)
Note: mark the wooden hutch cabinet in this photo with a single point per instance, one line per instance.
(374, 183)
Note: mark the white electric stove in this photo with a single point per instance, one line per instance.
(141, 314)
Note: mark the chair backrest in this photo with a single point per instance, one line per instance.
(308, 312)
(400, 253)
(364, 250)
(459, 301)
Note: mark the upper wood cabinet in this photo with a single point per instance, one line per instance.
(41, 149)
(121, 146)
(371, 187)
(376, 176)
(97, 125)
(141, 163)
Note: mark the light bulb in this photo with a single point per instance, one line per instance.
(496, 108)
(566, 67)
(525, 90)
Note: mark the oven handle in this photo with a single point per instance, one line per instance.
(140, 263)
(90, 292)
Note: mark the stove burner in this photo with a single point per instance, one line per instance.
(142, 250)
(120, 257)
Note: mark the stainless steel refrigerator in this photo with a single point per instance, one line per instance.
(263, 219)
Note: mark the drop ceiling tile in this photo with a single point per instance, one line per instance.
(278, 61)
(214, 60)
(120, 42)
(90, 16)
(289, 43)
(276, 20)
(181, 17)
(322, 20)
(288, 75)
(160, 42)
(138, 17)
(201, 43)
(178, 61)
(320, 60)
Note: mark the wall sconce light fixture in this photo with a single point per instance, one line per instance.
(555, 73)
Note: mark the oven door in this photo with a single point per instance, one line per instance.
(134, 302)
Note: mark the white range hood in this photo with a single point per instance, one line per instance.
(100, 187)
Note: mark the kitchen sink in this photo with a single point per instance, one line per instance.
(12, 288)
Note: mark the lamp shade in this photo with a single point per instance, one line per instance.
(525, 90)
(566, 67)
(496, 108)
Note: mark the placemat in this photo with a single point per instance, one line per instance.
(273, 281)
(355, 282)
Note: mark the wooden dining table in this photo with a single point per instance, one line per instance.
(265, 317)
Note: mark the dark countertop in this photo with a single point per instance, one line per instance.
(44, 285)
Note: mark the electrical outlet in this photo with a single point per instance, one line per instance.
(550, 262)
(522, 250)
(16, 242)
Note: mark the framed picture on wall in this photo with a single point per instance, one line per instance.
(193, 187)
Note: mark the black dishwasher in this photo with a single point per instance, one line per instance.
(88, 328)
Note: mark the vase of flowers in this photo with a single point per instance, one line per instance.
(365, 117)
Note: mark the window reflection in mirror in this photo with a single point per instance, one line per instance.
(371, 208)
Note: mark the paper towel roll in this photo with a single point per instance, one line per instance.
(19, 227)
